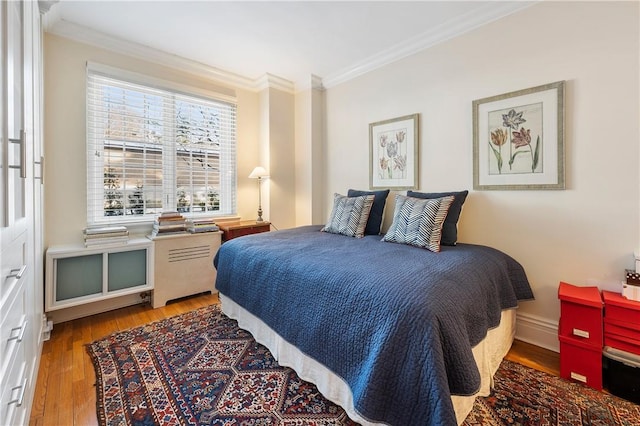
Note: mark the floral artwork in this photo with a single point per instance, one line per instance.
(515, 140)
(393, 153)
(518, 139)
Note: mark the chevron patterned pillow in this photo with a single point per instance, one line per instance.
(349, 215)
(418, 222)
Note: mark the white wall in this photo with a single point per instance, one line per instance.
(585, 234)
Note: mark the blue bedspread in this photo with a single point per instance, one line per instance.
(397, 323)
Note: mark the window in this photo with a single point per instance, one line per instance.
(153, 149)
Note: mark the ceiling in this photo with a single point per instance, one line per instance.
(293, 40)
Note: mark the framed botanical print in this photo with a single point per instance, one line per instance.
(518, 139)
(393, 153)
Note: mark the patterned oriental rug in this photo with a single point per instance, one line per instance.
(199, 368)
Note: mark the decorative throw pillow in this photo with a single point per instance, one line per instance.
(450, 227)
(418, 222)
(349, 215)
(374, 223)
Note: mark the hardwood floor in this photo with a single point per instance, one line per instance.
(65, 392)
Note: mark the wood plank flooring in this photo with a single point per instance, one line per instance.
(65, 391)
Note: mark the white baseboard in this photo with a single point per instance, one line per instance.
(98, 307)
(537, 331)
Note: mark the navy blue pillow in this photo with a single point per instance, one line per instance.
(377, 210)
(450, 226)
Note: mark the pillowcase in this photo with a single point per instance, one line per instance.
(450, 227)
(374, 223)
(418, 222)
(349, 215)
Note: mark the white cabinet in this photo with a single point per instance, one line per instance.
(78, 275)
(184, 265)
(21, 302)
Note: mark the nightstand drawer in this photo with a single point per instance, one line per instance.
(581, 363)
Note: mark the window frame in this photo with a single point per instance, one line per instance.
(227, 188)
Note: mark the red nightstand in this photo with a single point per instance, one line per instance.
(580, 334)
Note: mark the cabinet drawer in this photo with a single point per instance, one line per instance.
(13, 388)
(581, 323)
(13, 328)
(581, 363)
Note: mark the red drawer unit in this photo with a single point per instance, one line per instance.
(581, 363)
(580, 332)
(621, 309)
(580, 313)
(623, 343)
(621, 328)
(621, 322)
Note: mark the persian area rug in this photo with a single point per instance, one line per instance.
(524, 396)
(199, 368)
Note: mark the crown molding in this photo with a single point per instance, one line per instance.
(438, 34)
(316, 82)
(86, 35)
(45, 5)
(313, 83)
(270, 81)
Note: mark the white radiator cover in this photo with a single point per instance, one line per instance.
(184, 265)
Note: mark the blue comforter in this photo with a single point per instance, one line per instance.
(396, 322)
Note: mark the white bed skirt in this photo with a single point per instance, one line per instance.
(488, 355)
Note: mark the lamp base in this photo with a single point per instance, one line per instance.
(259, 219)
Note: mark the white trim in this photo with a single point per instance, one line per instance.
(313, 83)
(270, 81)
(93, 308)
(438, 34)
(82, 34)
(537, 331)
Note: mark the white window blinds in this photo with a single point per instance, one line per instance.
(153, 149)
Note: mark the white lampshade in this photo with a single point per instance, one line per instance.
(258, 172)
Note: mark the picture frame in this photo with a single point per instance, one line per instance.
(518, 140)
(393, 153)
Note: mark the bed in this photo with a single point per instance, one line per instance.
(393, 333)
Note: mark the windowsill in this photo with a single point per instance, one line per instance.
(143, 228)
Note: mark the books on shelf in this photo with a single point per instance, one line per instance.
(110, 235)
